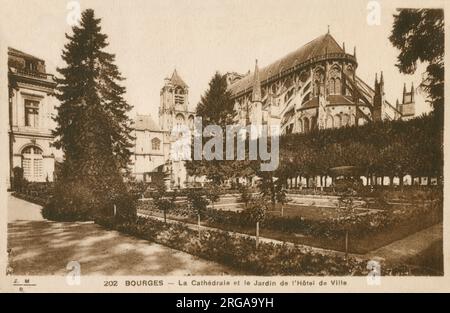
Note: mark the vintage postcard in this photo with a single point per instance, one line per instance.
(223, 146)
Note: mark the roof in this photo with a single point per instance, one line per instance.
(312, 103)
(177, 80)
(145, 122)
(331, 99)
(320, 46)
(339, 99)
(22, 54)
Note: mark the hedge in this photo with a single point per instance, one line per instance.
(385, 148)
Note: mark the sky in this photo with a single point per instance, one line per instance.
(153, 37)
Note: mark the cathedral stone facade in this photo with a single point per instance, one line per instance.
(154, 142)
(314, 87)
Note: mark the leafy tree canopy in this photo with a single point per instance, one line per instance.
(419, 35)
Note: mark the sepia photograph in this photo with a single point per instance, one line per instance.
(221, 144)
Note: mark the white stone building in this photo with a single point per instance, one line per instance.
(31, 107)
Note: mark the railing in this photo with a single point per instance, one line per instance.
(32, 74)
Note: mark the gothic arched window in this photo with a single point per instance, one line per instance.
(332, 86)
(179, 120)
(156, 144)
(300, 126)
(345, 120)
(306, 125)
(337, 86)
(337, 121)
(329, 122)
(179, 96)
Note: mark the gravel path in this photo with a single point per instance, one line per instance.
(41, 247)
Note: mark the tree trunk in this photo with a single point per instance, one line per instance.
(346, 245)
(257, 235)
(282, 210)
(198, 225)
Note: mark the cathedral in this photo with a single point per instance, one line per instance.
(314, 87)
(153, 141)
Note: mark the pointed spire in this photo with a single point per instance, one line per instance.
(328, 31)
(354, 51)
(256, 93)
(177, 80)
(376, 80)
(404, 93)
(412, 91)
(343, 46)
(381, 83)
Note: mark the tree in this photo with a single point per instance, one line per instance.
(267, 186)
(216, 107)
(93, 128)
(197, 203)
(163, 202)
(347, 214)
(213, 194)
(256, 212)
(245, 195)
(281, 195)
(419, 35)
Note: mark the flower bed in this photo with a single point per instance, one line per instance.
(240, 253)
(361, 225)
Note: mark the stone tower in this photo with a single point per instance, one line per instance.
(174, 98)
(174, 111)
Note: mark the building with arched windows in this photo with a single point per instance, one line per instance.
(153, 143)
(314, 87)
(31, 107)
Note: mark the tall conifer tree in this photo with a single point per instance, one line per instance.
(93, 128)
